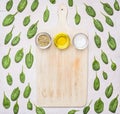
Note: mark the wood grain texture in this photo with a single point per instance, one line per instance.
(61, 74)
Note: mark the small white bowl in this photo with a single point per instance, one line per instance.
(80, 41)
(46, 34)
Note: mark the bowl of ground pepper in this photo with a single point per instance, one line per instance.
(43, 40)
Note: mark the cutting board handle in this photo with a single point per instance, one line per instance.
(62, 15)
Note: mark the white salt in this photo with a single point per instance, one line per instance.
(80, 41)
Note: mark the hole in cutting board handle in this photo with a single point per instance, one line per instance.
(62, 8)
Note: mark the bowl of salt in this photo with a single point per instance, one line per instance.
(80, 41)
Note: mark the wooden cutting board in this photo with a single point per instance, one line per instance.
(61, 74)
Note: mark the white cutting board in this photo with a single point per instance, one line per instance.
(62, 74)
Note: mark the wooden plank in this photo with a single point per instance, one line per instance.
(61, 74)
